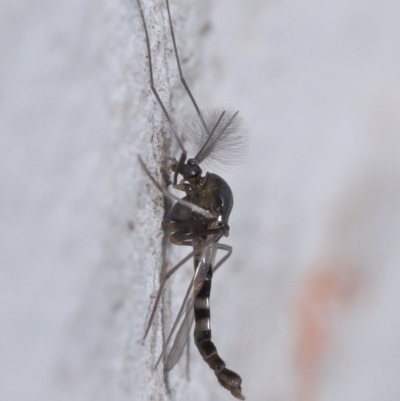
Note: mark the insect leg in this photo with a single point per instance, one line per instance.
(195, 285)
(175, 225)
(188, 350)
(180, 70)
(177, 238)
(226, 248)
(190, 205)
(222, 247)
(181, 338)
(165, 279)
(153, 89)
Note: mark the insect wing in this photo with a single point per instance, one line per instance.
(193, 289)
(207, 258)
(181, 339)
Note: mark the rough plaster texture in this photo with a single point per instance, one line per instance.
(307, 307)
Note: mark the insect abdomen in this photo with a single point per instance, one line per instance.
(202, 338)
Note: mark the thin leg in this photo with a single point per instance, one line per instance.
(195, 285)
(165, 279)
(177, 238)
(178, 318)
(191, 206)
(180, 70)
(153, 89)
(226, 248)
(175, 225)
(222, 247)
(188, 354)
(182, 336)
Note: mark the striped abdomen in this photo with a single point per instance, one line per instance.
(202, 338)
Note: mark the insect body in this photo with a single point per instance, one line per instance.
(212, 194)
(198, 220)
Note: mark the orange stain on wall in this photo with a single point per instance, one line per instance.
(322, 298)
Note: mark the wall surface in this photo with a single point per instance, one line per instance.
(307, 307)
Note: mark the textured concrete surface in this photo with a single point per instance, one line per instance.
(307, 306)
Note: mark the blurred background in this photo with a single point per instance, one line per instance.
(307, 308)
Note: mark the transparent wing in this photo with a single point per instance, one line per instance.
(223, 144)
(193, 289)
(181, 339)
(206, 260)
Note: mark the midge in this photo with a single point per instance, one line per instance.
(199, 219)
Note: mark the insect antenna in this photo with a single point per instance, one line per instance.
(208, 146)
(210, 135)
(223, 144)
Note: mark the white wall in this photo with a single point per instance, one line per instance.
(306, 309)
